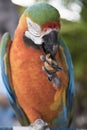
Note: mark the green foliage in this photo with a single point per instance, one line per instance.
(84, 12)
(75, 36)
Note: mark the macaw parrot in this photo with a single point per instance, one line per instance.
(37, 70)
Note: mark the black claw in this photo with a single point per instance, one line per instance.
(50, 77)
(56, 67)
(45, 127)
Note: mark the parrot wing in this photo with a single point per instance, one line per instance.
(71, 89)
(7, 79)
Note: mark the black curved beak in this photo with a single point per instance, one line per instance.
(50, 43)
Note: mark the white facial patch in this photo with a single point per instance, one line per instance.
(35, 33)
(33, 28)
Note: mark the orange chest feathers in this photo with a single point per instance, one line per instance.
(31, 84)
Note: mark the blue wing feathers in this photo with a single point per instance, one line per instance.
(71, 87)
(5, 40)
(10, 92)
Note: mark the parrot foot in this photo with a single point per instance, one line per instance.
(39, 125)
(52, 77)
(51, 67)
(50, 63)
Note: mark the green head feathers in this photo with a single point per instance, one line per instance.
(42, 13)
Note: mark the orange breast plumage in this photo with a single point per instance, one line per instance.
(35, 93)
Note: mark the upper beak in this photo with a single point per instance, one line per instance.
(50, 43)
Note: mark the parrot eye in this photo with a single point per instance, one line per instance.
(33, 28)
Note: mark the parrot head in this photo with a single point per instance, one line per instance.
(42, 23)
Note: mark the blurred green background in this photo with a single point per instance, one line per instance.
(74, 33)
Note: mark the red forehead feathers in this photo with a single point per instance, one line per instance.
(51, 25)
